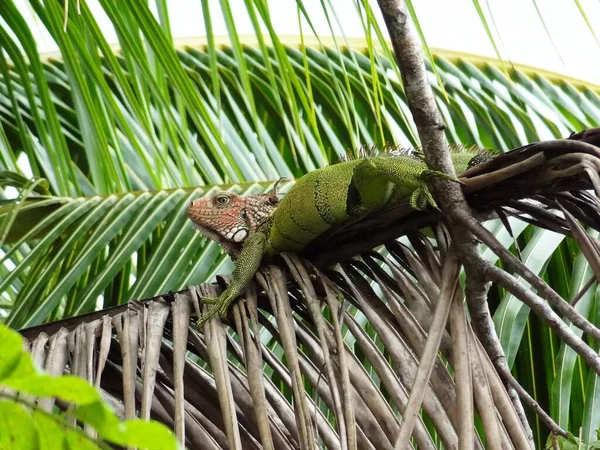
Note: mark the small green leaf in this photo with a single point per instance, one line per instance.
(17, 430)
(20, 182)
(76, 440)
(13, 179)
(131, 433)
(148, 434)
(14, 362)
(51, 433)
(98, 415)
(68, 388)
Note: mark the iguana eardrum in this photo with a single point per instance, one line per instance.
(319, 200)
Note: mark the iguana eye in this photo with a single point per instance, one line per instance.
(222, 199)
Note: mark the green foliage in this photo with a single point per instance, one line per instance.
(575, 443)
(25, 426)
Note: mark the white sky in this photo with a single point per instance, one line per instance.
(447, 24)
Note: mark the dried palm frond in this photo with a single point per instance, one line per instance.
(137, 355)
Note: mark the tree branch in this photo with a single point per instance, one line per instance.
(476, 290)
(435, 147)
(536, 282)
(419, 95)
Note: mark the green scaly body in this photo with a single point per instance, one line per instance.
(324, 198)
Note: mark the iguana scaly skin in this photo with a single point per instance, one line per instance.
(319, 200)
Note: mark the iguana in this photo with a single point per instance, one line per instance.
(325, 197)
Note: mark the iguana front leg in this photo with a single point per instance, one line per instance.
(246, 266)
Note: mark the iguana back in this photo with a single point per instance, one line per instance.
(329, 196)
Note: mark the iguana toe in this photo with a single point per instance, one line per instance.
(220, 306)
(205, 317)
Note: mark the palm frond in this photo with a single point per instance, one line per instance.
(324, 376)
(89, 253)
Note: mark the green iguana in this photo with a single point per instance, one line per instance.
(317, 201)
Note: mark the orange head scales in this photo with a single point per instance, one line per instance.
(228, 218)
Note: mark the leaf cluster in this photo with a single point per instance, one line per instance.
(27, 425)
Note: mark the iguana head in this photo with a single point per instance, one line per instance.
(228, 218)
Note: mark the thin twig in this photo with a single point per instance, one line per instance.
(487, 179)
(484, 329)
(536, 282)
(583, 290)
(461, 363)
(584, 241)
(495, 435)
(544, 312)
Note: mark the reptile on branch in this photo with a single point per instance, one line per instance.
(318, 201)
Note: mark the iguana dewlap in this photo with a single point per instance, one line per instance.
(318, 201)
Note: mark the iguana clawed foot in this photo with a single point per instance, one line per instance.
(220, 306)
(421, 198)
